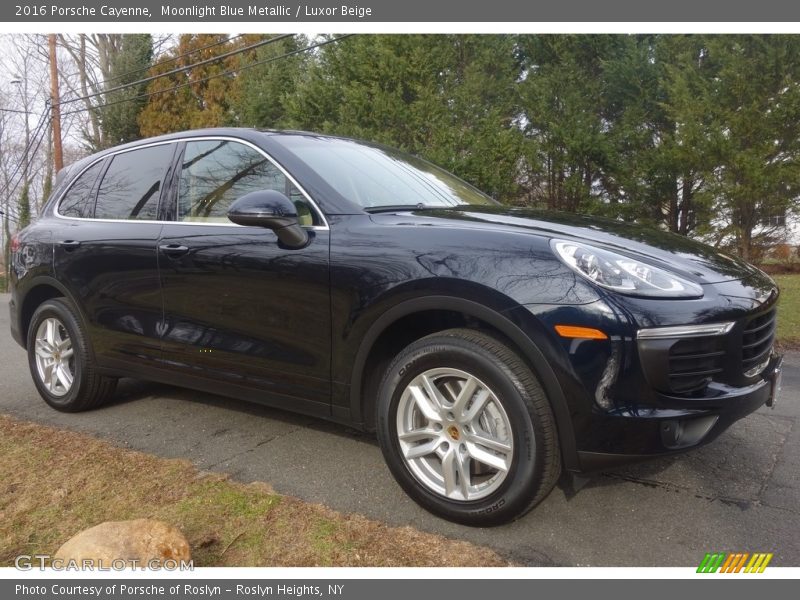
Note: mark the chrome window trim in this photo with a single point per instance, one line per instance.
(685, 331)
(206, 138)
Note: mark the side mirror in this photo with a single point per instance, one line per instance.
(273, 210)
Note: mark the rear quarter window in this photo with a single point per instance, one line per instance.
(78, 201)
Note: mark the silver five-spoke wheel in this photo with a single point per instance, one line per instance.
(55, 361)
(454, 434)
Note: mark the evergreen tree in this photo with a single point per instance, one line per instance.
(259, 94)
(447, 98)
(756, 108)
(696, 134)
(24, 207)
(563, 94)
(657, 122)
(129, 64)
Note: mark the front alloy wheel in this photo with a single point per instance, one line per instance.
(454, 434)
(466, 428)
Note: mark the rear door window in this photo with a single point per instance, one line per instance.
(131, 187)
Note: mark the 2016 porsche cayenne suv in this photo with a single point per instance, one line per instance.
(490, 348)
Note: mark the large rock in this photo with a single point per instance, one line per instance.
(141, 540)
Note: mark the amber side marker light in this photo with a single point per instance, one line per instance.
(582, 333)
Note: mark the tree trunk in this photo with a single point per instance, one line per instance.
(81, 61)
(685, 215)
(55, 105)
(745, 222)
(672, 211)
(745, 240)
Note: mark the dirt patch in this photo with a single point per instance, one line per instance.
(55, 483)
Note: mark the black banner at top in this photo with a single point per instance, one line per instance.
(349, 11)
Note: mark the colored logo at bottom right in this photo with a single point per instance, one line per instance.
(734, 562)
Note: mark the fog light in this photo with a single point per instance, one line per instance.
(677, 434)
(759, 367)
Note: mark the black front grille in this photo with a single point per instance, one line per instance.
(686, 366)
(693, 362)
(757, 339)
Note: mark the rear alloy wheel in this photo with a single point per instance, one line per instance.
(466, 428)
(55, 357)
(60, 359)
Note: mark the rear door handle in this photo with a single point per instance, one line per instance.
(69, 245)
(173, 250)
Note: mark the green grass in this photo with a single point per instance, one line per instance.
(789, 310)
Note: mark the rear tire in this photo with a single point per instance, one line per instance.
(60, 360)
(466, 428)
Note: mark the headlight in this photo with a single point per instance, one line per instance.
(622, 273)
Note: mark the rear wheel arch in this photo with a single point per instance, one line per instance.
(40, 292)
(381, 343)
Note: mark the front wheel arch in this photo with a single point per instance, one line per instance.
(517, 339)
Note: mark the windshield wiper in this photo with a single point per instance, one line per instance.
(392, 207)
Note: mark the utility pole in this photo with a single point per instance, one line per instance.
(55, 104)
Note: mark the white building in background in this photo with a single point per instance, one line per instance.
(793, 231)
(791, 227)
(783, 229)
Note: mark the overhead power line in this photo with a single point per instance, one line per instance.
(223, 74)
(8, 215)
(19, 112)
(40, 128)
(9, 193)
(171, 59)
(178, 70)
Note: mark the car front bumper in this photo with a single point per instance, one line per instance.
(625, 436)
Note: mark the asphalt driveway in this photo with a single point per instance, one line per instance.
(741, 493)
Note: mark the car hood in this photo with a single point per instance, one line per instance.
(677, 253)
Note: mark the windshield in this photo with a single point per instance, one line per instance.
(376, 177)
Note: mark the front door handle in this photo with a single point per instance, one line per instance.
(173, 250)
(69, 245)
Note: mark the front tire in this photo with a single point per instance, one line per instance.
(466, 428)
(60, 360)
